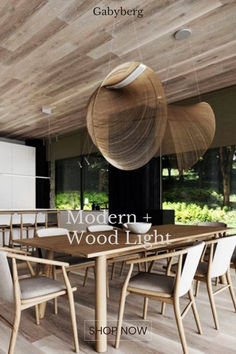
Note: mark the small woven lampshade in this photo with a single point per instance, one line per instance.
(189, 133)
(127, 116)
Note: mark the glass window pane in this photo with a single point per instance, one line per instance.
(95, 185)
(68, 183)
(198, 195)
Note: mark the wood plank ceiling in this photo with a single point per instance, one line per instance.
(55, 52)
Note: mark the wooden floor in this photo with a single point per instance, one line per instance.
(53, 336)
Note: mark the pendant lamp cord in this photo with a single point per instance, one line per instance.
(195, 71)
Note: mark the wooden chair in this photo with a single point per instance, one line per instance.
(32, 291)
(27, 224)
(5, 226)
(221, 251)
(205, 254)
(47, 219)
(75, 263)
(41, 220)
(165, 288)
(15, 226)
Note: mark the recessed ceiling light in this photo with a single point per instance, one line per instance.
(46, 110)
(183, 33)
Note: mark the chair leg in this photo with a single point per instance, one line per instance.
(145, 307)
(3, 238)
(197, 287)
(151, 267)
(163, 308)
(15, 330)
(146, 263)
(212, 303)
(113, 270)
(169, 265)
(85, 276)
(73, 320)
(120, 318)
(122, 268)
(37, 314)
(180, 326)
(231, 290)
(55, 300)
(195, 312)
(108, 290)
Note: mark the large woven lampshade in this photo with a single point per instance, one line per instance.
(129, 121)
(127, 116)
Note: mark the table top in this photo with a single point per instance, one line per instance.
(125, 243)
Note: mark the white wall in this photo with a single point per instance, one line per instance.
(17, 172)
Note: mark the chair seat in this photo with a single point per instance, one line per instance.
(39, 286)
(28, 224)
(72, 260)
(162, 285)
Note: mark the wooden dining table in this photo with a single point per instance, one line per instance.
(102, 252)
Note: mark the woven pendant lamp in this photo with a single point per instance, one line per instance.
(129, 121)
(127, 116)
(189, 133)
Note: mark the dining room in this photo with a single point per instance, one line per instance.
(117, 176)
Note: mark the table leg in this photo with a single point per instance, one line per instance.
(101, 303)
(47, 271)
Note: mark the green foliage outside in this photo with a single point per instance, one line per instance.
(191, 213)
(194, 203)
(201, 195)
(71, 200)
(68, 200)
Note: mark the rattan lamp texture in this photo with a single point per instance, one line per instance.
(127, 116)
(189, 133)
(129, 121)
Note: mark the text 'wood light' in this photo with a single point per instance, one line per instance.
(130, 122)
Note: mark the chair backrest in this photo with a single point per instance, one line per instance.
(224, 250)
(98, 228)
(6, 284)
(28, 218)
(52, 231)
(16, 219)
(5, 219)
(212, 223)
(189, 267)
(41, 217)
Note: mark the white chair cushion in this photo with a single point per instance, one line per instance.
(52, 231)
(153, 282)
(100, 228)
(39, 286)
